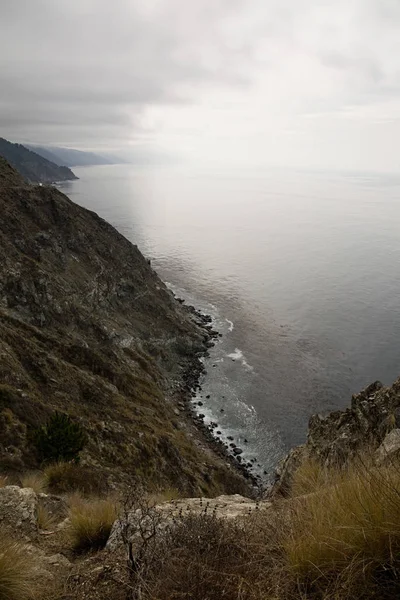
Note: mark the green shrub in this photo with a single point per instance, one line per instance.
(60, 439)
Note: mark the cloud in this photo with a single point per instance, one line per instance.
(67, 65)
(231, 79)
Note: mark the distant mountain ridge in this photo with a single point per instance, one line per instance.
(33, 167)
(73, 158)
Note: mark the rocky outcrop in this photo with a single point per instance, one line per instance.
(390, 447)
(372, 421)
(18, 509)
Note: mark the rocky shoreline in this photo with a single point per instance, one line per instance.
(191, 385)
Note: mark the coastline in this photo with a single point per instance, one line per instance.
(194, 371)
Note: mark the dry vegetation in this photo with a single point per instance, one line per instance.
(346, 536)
(34, 480)
(336, 538)
(91, 521)
(45, 519)
(16, 571)
(65, 477)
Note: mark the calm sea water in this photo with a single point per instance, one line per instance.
(301, 272)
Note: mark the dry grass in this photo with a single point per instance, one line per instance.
(91, 521)
(34, 480)
(165, 495)
(16, 571)
(45, 519)
(347, 535)
(310, 477)
(65, 477)
(4, 481)
(339, 541)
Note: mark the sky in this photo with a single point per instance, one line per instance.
(300, 83)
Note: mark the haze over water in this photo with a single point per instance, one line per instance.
(299, 270)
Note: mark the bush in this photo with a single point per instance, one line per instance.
(16, 571)
(91, 522)
(202, 556)
(60, 439)
(64, 477)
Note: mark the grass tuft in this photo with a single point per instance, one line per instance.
(34, 480)
(91, 521)
(3, 481)
(45, 519)
(348, 531)
(16, 571)
(65, 477)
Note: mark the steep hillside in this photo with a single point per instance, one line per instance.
(88, 328)
(31, 166)
(72, 158)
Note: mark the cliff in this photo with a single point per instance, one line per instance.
(88, 328)
(33, 167)
(370, 426)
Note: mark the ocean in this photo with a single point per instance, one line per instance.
(299, 270)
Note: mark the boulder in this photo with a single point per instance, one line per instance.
(389, 448)
(18, 508)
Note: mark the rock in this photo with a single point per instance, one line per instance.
(221, 410)
(285, 470)
(230, 438)
(222, 507)
(177, 412)
(237, 451)
(389, 448)
(208, 396)
(18, 508)
(200, 403)
(58, 560)
(219, 432)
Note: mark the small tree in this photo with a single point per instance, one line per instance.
(60, 439)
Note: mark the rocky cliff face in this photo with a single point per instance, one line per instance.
(88, 328)
(372, 423)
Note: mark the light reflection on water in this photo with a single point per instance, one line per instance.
(300, 272)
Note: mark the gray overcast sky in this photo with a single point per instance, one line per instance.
(312, 83)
